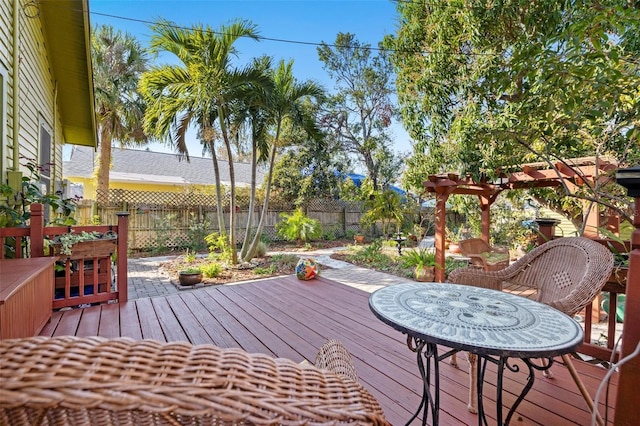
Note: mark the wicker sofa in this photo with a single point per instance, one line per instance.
(95, 381)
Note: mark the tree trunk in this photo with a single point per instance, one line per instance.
(252, 199)
(265, 205)
(232, 192)
(216, 172)
(104, 164)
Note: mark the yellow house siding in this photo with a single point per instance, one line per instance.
(89, 186)
(565, 228)
(36, 92)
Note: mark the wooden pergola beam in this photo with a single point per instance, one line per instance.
(577, 171)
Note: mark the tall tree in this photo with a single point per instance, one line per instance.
(483, 87)
(285, 110)
(118, 60)
(200, 90)
(360, 113)
(252, 115)
(308, 170)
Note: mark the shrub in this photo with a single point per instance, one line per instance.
(196, 236)
(419, 258)
(298, 227)
(211, 270)
(219, 247)
(271, 269)
(286, 261)
(261, 249)
(190, 256)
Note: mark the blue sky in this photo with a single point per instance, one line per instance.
(307, 21)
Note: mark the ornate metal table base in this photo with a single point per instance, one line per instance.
(427, 352)
(502, 363)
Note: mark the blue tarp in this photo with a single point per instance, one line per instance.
(358, 178)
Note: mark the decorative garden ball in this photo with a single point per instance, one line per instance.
(307, 269)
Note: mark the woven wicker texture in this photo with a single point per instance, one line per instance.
(567, 273)
(82, 381)
(474, 248)
(333, 356)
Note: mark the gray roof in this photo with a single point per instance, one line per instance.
(133, 165)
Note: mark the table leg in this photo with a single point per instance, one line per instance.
(502, 363)
(425, 352)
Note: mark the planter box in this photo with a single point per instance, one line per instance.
(103, 247)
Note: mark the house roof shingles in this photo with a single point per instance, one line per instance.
(155, 167)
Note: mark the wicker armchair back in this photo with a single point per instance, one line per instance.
(566, 273)
(82, 381)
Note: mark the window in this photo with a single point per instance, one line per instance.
(45, 155)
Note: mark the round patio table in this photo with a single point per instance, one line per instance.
(494, 325)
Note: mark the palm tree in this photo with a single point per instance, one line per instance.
(253, 115)
(284, 107)
(200, 90)
(118, 60)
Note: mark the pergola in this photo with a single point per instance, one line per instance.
(572, 173)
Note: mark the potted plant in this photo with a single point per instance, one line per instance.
(358, 238)
(85, 244)
(423, 261)
(190, 276)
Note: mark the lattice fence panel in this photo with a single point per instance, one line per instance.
(160, 220)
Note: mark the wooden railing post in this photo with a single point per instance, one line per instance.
(627, 400)
(36, 229)
(121, 250)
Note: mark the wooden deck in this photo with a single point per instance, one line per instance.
(288, 318)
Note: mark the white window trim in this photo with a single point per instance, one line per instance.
(4, 100)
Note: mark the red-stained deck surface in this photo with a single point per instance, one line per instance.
(288, 318)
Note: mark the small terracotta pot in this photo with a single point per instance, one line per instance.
(426, 274)
(359, 239)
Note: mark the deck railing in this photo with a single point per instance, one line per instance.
(82, 281)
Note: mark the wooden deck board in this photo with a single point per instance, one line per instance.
(289, 318)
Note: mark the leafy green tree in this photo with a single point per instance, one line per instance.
(118, 61)
(306, 171)
(202, 90)
(385, 207)
(485, 87)
(359, 115)
(285, 110)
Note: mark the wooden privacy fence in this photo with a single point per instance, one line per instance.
(178, 220)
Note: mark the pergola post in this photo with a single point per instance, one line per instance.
(442, 194)
(485, 210)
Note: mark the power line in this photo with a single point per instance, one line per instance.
(318, 44)
(291, 41)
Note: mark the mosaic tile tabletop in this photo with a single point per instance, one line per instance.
(480, 320)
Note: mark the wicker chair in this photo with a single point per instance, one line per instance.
(80, 381)
(567, 274)
(482, 254)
